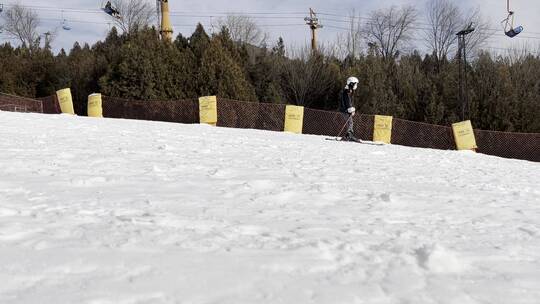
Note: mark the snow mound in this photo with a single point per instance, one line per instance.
(439, 260)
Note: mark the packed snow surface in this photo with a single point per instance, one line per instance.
(116, 211)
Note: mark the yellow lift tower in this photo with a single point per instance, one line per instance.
(165, 29)
(314, 25)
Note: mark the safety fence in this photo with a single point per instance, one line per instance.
(268, 116)
(50, 105)
(14, 103)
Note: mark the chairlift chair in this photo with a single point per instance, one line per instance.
(1, 7)
(65, 26)
(107, 7)
(508, 23)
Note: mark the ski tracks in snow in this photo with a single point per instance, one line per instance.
(113, 211)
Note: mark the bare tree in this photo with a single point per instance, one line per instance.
(445, 19)
(481, 34)
(350, 43)
(243, 29)
(519, 53)
(307, 76)
(135, 14)
(22, 23)
(390, 30)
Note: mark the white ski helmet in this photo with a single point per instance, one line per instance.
(352, 83)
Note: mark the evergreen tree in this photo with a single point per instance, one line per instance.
(503, 91)
(220, 75)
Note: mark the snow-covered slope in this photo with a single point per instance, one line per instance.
(118, 211)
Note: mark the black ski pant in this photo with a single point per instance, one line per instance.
(350, 123)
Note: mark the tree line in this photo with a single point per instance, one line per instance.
(503, 91)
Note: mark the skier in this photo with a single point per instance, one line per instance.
(109, 9)
(346, 107)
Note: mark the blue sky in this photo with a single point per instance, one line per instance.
(89, 24)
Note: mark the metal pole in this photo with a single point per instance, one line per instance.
(344, 125)
(460, 93)
(313, 39)
(466, 94)
(463, 52)
(313, 27)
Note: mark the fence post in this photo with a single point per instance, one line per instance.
(294, 119)
(208, 110)
(66, 101)
(382, 129)
(95, 105)
(464, 135)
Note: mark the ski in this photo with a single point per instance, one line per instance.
(355, 141)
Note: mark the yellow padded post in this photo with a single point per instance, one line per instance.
(66, 101)
(95, 108)
(464, 135)
(294, 119)
(382, 129)
(208, 110)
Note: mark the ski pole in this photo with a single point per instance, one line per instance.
(344, 125)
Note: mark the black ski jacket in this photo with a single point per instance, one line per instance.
(346, 101)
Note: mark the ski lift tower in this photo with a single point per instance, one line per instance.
(462, 54)
(1, 10)
(314, 25)
(165, 27)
